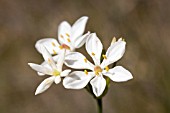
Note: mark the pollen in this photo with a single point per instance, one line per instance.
(85, 60)
(61, 36)
(53, 44)
(107, 68)
(86, 72)
(68, 39)
(54, 51)
(67, 35)
(104, 56)
(93, 54)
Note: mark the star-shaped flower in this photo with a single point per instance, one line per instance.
(49, 68)
(79, 79)
(70, 37)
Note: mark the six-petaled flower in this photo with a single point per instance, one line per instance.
(79, 79)
(49, 68)
(70, 37)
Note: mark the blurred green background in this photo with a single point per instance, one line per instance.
(145, 24)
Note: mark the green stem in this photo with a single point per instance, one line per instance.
(99, 103)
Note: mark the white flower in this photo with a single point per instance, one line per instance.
(79, 79)
(49, 68)
(70, 37)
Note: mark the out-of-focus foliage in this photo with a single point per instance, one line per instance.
(145, 25)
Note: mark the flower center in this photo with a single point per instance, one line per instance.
(64, 46)
(56, 73)
(97, 70)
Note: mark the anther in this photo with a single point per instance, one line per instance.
(93, 54)
(107, 68)
(61, 47)
(54, 51)
(68, 39)
(67, 35)
(86, 72)
(104, 56)
(85, 60)
(61, 36)
(53, 44)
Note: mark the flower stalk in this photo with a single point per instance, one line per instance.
(99, 103)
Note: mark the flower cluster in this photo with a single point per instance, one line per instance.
(63, 53)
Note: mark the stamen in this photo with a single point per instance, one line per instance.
(53, 44)
(54, 51)
(85, 60)
(107, 68)
(61, 47)
(68, 39)
(86, 72)
(67, 35)
(104, 56)
(93, 54)
(61, 36)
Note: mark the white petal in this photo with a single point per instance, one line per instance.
(77, 80)
(64, 29)
(114, 53)
(50, 44)
(79, 42)
(94, 48)
(65, 73)
(44, 85)
(55, 58)
(40, 68)
(119, 74)
(78, 28)
(98, 85)
(45, 64)
(47, 57)
(77, 61)
(40, 74)
(60, 60)
(57, 79)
